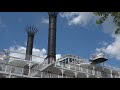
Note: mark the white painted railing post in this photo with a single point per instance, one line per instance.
(76, 74)
(69, 67)
(6, 68)
(93, 71)
(58, 76)
(87, 70)
(119, 74)
(10, 72)
(41, 74)
(22, 71)
(29, 71)
(87, 75)
(111, 74)
(62, 72)
(81, 69)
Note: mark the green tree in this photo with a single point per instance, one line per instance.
(104, 16)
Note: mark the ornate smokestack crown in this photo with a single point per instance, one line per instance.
(31, 30)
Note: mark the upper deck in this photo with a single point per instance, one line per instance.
(66, 66)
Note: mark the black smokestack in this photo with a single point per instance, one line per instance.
(31, 30)
(52, 37)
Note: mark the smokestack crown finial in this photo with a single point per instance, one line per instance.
(31, 30)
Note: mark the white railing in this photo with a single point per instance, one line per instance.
(71, 66)
(111, 67)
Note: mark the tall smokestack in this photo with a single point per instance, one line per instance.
(31, 30)
(52, 37)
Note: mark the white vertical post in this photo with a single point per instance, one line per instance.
(119, 74)
(68, 61)
(62, 64)
(10, 72)
(55, 64)
(22, 71)
(111, 73)
(87, 75)
(75, 71)
(76, 74)
(9, 76)
(75, 68)
(62, 73)
(6, 68)
(50, 75)
(29, 71)
(58, 76)
(87, 70)
(41, 74)
(81, 69)
(78, 68)
(69, 66)
(93, 71)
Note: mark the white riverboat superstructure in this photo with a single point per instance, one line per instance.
(68, 66)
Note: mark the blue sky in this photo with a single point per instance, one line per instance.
(77, 34)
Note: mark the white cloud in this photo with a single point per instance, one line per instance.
(37, 52)
(58, 56)
(85, 18)
(113, 49)
(103, 43)
(78, 18)
(45, 20)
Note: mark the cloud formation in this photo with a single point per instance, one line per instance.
(77, 18)
(38, 55)
(85, 18)
(45, 20)
(113, 49)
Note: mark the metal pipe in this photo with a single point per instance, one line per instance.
(31, 30)
(52, 37)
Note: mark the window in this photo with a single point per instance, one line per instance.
(70, 60)
(66, 61)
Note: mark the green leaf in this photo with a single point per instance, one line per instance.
(117, 31)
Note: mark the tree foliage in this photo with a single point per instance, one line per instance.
(104, 16)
